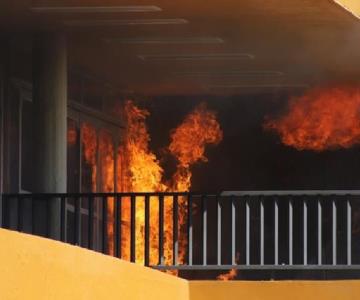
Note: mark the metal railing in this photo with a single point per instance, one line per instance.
(247, 230)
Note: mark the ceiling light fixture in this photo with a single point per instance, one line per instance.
(95, 9)
(256, 86)
(197, 57)
(249, 74)
(167, 40)
(86, 23)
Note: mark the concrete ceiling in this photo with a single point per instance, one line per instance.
(202, 47)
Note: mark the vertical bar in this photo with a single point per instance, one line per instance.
(204, 225)
(132, 228)
(291, 232)
(91, 223)
(117, 218)
(147, 230)
(104, 226)
(247, 232)
(334, 226)
(175, 230)
(276, 234)
(233, 232)
(305, 231)
(348, 231)
(77, 221)
(190, 232)
(218, 208)
(319, 232)
(262, 236)
(161, 230)
(19, 214)
(118, 226)
(62, 219)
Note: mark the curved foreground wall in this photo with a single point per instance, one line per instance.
(37, 268)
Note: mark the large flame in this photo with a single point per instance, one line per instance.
(145, 174)
(321, 119)
(139, 170)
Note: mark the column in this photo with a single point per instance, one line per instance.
(50, 107)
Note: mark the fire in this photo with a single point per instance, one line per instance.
(139, 170)
(231, 275)
(145, 174)
(188, 141)
(320, 120)
(89, 140)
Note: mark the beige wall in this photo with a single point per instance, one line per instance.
(37, 268)
(351, 5)
(275, 290)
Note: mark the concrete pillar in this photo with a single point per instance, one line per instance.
(50, 107)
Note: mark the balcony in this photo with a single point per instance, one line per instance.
(277, 234)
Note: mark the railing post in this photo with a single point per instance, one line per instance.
(218, 208)
(91, 223)
(291, 230)
(132, 229)
(147, 231)
(348, 231)
(161, 230)
(319, 231)
(247, 243)
(276, 239)
(175, 230)
(204, 225)
(334, 233)
(190, 231)
(262, 223)
(305, 231)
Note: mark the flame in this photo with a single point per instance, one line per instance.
(106, 156)
(320, 120)
(145, 174)
(89, 141)
(231, 275)
(139, 170)
(71, 136)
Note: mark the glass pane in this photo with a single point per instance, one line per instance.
(106, 153)
(89, 158)
(73, 157)
(27, 145)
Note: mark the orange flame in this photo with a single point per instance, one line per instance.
(139, 170)
(321, 119)
(231, 275)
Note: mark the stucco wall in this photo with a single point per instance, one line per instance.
(351, 5)
(275, 290)
(37, 268)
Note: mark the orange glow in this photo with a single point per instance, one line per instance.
(106, 154)
(71, 136)
(231, 275)
(320, 120)
(144, 174)
(139, 170)
(89, 141)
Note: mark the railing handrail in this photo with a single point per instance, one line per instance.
(293, 193)
(221, 194)
(308, 210)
